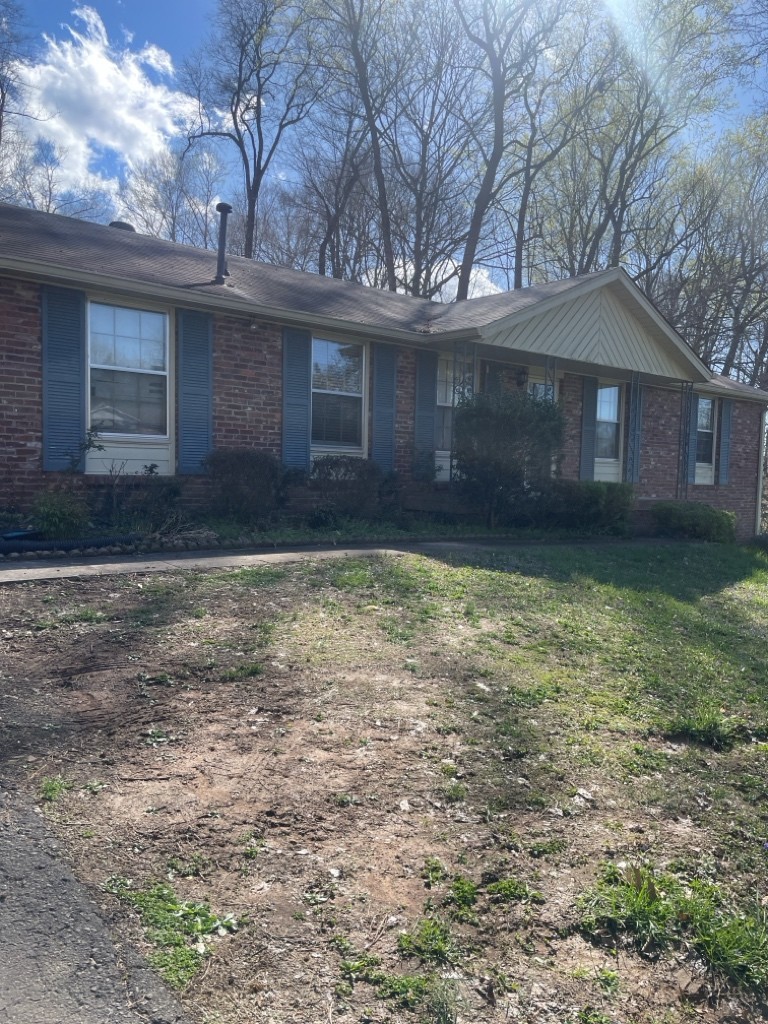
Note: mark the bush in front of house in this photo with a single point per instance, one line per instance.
(693, 520)
(589, 505)
(61, 513)
(504, 447)
(247, 484)
(351, 486)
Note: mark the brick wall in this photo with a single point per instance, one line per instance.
(247, 385)
(21, 410)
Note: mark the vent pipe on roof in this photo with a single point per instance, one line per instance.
(221, 264)
(122, 225)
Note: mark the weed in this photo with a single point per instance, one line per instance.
(246, 671)
(433, 872)
(456, 793)
(706, 724)
(546, 847)
(462, 898)
(188, 867)
(430, 942)
(52, 789)
(94, 787)
(510, 890)
(608, 981)
(659, 911)
(178, 928)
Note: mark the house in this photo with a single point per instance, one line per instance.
(167, 353)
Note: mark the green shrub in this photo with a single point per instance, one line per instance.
(694, 521)
(61, 514)
(353, 486)
(247, 484)
(582, 505)
(504, 447)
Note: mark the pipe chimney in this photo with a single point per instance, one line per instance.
(221, 264)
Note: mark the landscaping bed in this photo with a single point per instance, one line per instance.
(511, 785)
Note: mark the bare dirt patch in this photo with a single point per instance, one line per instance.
(292, 746)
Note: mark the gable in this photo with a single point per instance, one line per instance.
(597, 328)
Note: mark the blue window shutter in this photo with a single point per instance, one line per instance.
(195, 385)
(634, 444)
(425, 413)
(588, 429)
(383, 406)
(64, 374)
(297, 398)
(726, 417)
(693, 430)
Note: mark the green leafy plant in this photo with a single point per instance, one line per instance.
(433, 872)
(430, 942)
(61, 514)
(462, 898)
(504, 444)
(247, 484)
(178, 928)
(52, 789)
(706, 724)
(694, 520)
(511, 890)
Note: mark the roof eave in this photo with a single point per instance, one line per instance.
(225, 302)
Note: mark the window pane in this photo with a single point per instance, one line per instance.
(103, 349)
(704, 446)
(129, 338)
(337, 367)
(608, 404)
(607, 441)
(705, 413)
(443, 422)
(128, 403)
(337, 419)
(542, 391)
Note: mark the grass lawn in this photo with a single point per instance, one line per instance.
(506, 784)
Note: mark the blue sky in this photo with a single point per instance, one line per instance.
(103, 82)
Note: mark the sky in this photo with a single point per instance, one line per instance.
(104, 78)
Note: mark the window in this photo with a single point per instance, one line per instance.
(337, 394)
(128, 360)
(608, 431)
(543, 391)
(705, 442)
(454, 382)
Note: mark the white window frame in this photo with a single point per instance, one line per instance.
(610, 470)
(705, 471)
(131, 453)
(319, 449)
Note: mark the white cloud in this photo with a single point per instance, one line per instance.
(100, 104)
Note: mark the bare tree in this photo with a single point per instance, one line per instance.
(255, 82)
(173, 195)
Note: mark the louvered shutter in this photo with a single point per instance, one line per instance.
(383, 406)
(726, 417)
(634, 443)
(693, 430)
(195, 384)
(426, 404)
(588, 429)
(297, 398)
(64, 375)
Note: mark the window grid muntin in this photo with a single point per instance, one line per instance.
(319, 416)
(153, 316)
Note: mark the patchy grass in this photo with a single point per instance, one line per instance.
(407, 772)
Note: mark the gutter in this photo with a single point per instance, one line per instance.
(222, 302)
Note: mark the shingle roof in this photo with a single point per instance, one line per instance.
(98, 251)
(63, 248)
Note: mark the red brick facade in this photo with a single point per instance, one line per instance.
(247, 412)
(21, 404)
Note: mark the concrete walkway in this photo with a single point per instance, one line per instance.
(84, 567)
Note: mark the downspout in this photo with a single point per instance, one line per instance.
(761, 474)
(221, 263)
